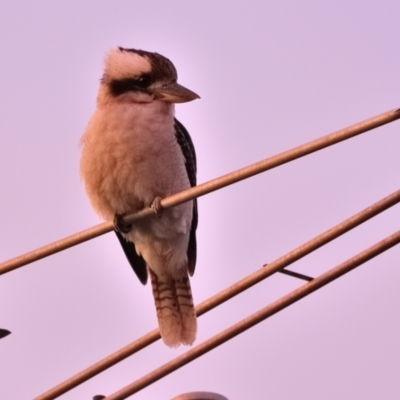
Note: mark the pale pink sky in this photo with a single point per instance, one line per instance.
(271, 76)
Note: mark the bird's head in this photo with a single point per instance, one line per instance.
(143, 77)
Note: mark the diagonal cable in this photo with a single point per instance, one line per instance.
(206, 187)
(228, 293)
(257, 317)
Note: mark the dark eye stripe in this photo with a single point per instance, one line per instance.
(121, 86)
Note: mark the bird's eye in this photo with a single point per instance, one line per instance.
(143, 82)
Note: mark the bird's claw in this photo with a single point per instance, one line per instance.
(120, 225)
(157, 207)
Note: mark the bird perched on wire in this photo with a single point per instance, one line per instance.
(134, 153)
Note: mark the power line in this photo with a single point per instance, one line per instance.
(230, 292)
(206, 187)
(257, 317)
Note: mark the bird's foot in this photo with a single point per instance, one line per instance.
(157, 207)
(120, 225)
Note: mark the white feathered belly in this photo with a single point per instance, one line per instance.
(128, 161)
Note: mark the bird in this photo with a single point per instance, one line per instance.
(134, 153)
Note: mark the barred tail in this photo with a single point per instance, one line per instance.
(175, 310)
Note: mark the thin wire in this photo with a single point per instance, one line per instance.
(257, 317)
(228, 293)
(296, 275)
(205, 188)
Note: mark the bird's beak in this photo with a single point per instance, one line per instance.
(174, 93)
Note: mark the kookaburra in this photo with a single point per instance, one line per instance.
(135, 152)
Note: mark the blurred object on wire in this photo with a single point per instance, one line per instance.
(4, 333)
(200, 396)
